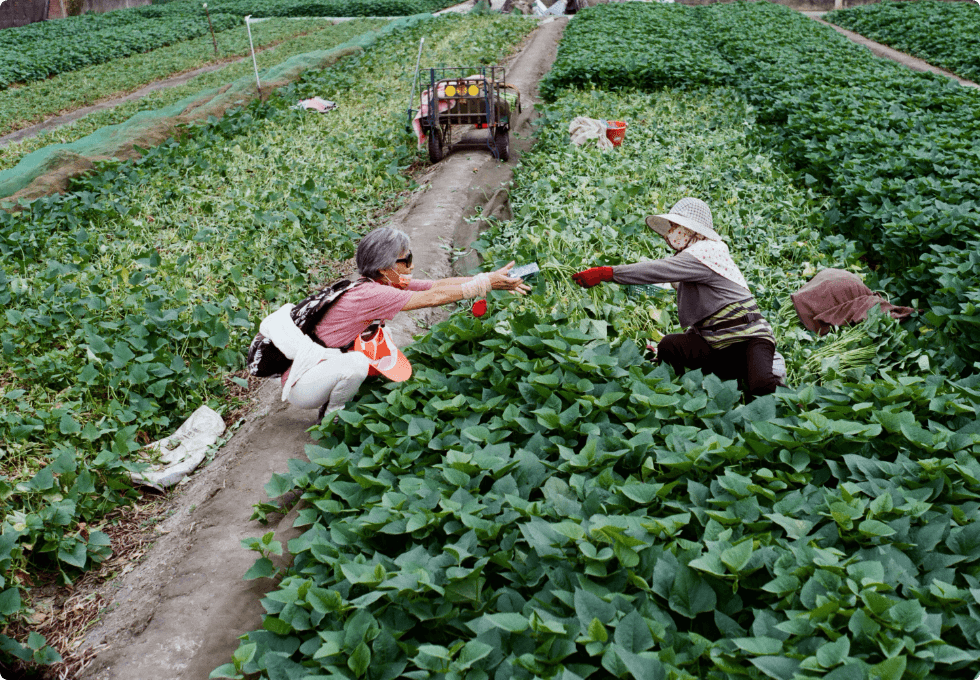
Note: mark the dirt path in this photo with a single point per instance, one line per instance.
(178, 615)
(887, 52)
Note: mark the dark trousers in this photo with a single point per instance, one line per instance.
(749, 362)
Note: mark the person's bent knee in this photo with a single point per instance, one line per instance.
(669, 347)
(336, 378)
(671, 350)
(761, 385)
(358, 364)
(356, 370)
(761, 378)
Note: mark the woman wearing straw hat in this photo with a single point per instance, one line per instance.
(726, 333)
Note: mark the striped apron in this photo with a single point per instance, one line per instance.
(733, 323)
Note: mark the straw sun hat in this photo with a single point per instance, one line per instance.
(692, 213)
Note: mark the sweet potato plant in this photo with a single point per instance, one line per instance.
(895, 150)
(40, 50)
(541, 501)
(128, 299)
(945, 34)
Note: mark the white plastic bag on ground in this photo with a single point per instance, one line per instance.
(182, 451)
(779, 368)
(583, 129)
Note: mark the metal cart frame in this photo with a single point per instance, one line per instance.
(473, 99)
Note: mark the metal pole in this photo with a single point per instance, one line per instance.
(258, 85)
(411, 95)
(211, 26)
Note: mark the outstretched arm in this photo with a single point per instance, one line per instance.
(676, 269)
(455, 289)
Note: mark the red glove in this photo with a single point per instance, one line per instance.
(479, 308)
(593, 277)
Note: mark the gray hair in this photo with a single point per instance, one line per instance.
(379, 250)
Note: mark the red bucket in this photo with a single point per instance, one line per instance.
(616, 131)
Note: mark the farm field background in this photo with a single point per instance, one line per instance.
(539, 500)
(29, 104)
(12, 154)
(126, 307)
(894, 150)
(40, 50)
(945, 34)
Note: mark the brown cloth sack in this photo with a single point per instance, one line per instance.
(835, 297)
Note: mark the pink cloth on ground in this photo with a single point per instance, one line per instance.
(837, 297)
(444, 105)
(356, 309)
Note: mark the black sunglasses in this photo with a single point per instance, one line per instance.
(407, 259)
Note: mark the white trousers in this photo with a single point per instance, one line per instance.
(332, 382)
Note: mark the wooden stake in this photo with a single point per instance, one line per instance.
(211, 26)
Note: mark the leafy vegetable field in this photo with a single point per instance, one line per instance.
(26, 105)
(540, 501)
(30, 54)
(12, 154)
(331, 8)
(946, 34)
(128, 300)
(38, 51)
(627, 47)
(895, 150)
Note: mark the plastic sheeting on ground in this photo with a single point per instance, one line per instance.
(183, 451)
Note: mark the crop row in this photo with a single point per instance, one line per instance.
(895, 150)
(27, 37)
(41, 50)
(95, 82)
(127, 300)
(39, 59)
(30, 103)
(946, 34)
(33, 35)
(636, 49)
(331, 8)
(540, 501)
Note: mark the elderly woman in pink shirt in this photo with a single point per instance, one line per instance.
(384, 260)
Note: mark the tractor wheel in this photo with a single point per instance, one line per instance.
(435, 145)
(501, 140)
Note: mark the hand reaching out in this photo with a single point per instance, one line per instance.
(593, 276)
(501, 280)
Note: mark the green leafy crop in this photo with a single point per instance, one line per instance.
(946, 34)
(38, 51)
(331, 8)
(540, 501)
(623, 47)
(32, 103)
(128, 300)
(895, 150)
